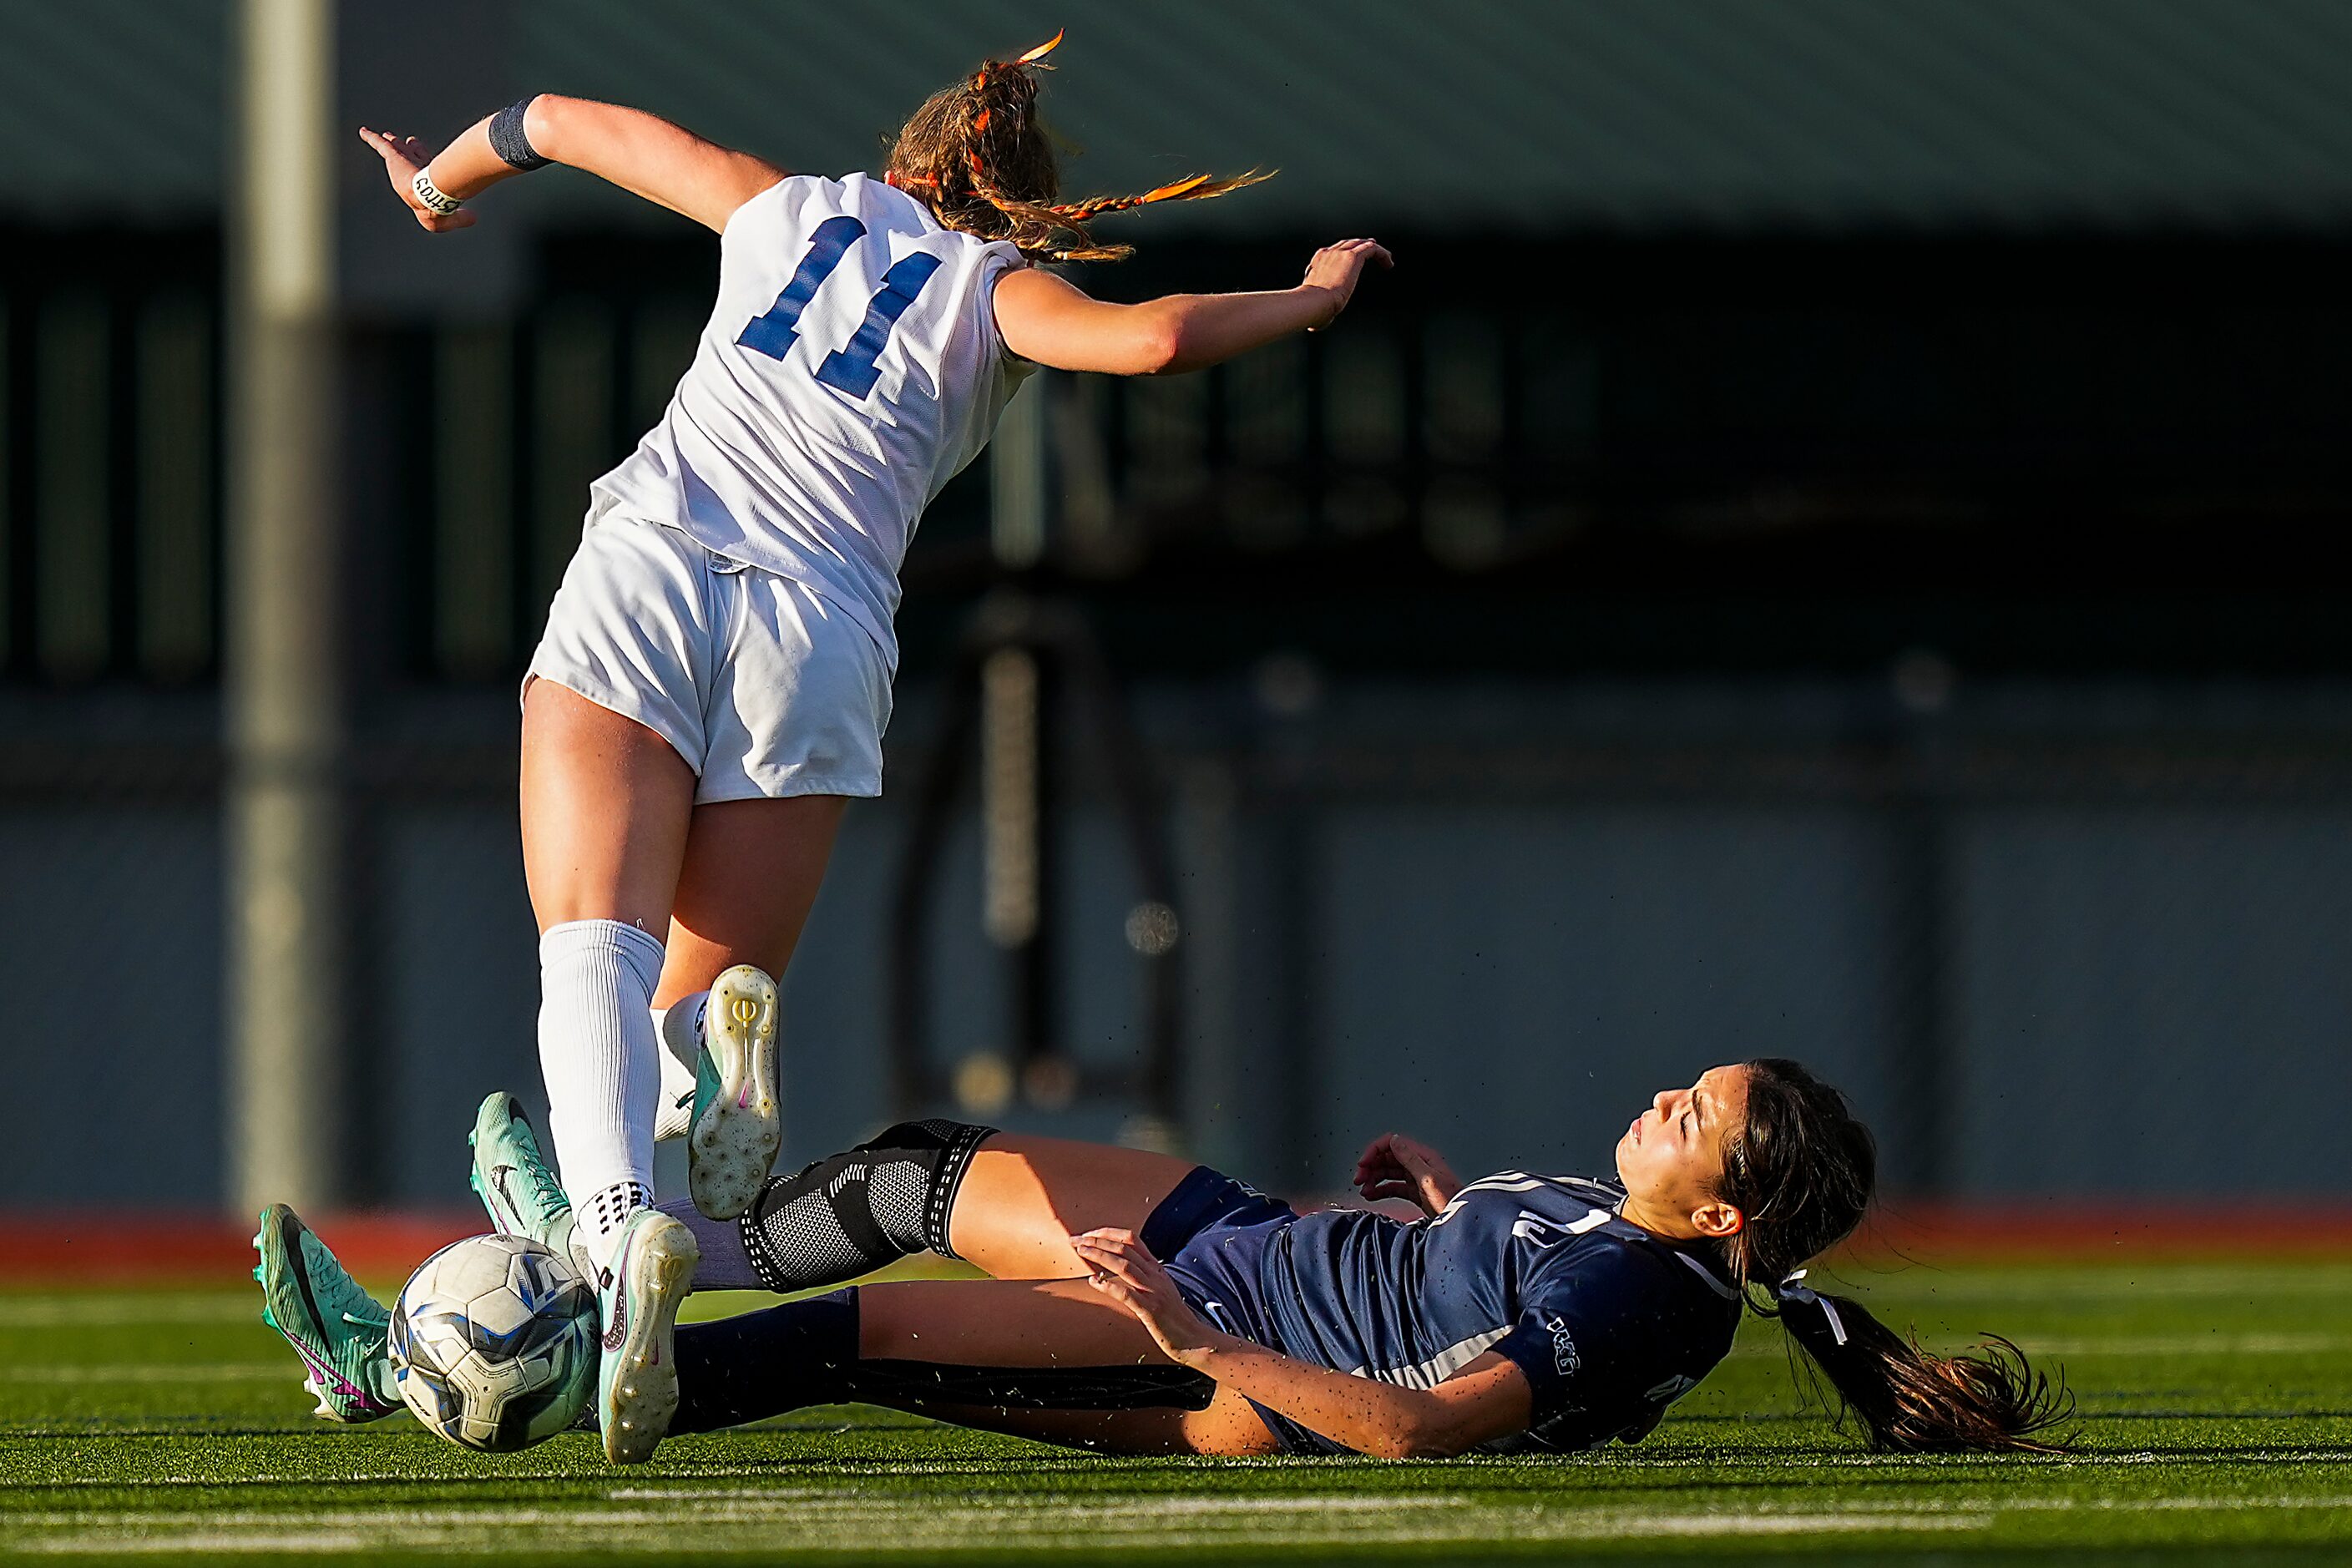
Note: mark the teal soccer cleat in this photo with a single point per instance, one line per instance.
(516, 1185)
(738, 1123)
(637, 1387)
(334, 1326)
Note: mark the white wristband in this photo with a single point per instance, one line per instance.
(431, 195)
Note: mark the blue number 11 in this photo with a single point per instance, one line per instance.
(852, 369)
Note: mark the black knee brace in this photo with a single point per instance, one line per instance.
(848, 1215)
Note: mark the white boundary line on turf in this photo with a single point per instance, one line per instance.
(870, 1525)
(2142, 1345)
(906, 1527)
(151, 1372)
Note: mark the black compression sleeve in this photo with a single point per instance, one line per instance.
(509, 139)
(764, 1364)
(900, 1384)
(748, 1368)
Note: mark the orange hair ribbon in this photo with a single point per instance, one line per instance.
(1041, 51)
(1036, 57)
(1100, 205)
(1166, 193)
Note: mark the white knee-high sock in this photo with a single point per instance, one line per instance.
(602, 1063)
(680, 1028)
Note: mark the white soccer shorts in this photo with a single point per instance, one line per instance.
(765, 688)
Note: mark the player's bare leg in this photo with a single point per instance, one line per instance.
(1040, 1324)
(1227, 1429)
(606, 804)
(607, 807)
(1006, 1203)
(752, 873)
(750, 877)
(1024, 1197)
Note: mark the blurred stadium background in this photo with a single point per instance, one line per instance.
(1818, 549)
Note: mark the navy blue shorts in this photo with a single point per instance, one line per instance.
(1210, 1234)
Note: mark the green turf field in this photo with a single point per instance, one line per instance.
(2217, 1403)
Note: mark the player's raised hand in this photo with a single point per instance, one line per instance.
(1396, 1167)
(402, 156)
(1120, 1267)
(1336, 268)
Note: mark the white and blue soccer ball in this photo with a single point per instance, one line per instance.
(494, 1344)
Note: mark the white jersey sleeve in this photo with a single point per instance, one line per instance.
(850, 368)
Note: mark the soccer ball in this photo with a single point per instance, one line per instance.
(494, 1344)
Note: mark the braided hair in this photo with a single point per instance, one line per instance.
(1802, 1170)
(976, 154)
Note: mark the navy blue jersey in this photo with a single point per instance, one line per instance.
(1610, 1323)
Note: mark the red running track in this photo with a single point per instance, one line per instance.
(152, 1249)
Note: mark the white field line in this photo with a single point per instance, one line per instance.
(2145, 1345)
(108, 1311)
(810, 1503)
(802, 1499)
(1956, 1466)
(930, 1526)
(2191, 1344)
(2116, 1282)
(1955, 1470)
(814, 1519)
(155, 1372)
(837, 1499)
(922, 1527)
(983, 1534)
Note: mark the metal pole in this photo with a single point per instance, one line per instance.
(1009, 789)
(1016, 815)
(284, 817)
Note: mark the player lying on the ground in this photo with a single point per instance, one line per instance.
(715, 675)
(1141, 1305)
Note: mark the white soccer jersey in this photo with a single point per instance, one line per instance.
(850, 368)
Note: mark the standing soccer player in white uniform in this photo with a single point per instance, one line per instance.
(715, 675)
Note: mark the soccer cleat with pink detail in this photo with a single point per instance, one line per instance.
(737, 1124)
(336, 1328)
(639, 1295)
(517, 1186)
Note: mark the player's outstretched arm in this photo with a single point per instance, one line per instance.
(641, 154)
(1487, 1399)
(1051, 321)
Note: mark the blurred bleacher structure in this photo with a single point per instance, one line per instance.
(1819, 550)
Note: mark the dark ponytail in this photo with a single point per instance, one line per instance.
(1802, 1171)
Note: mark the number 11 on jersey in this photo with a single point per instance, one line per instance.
(853, 368)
